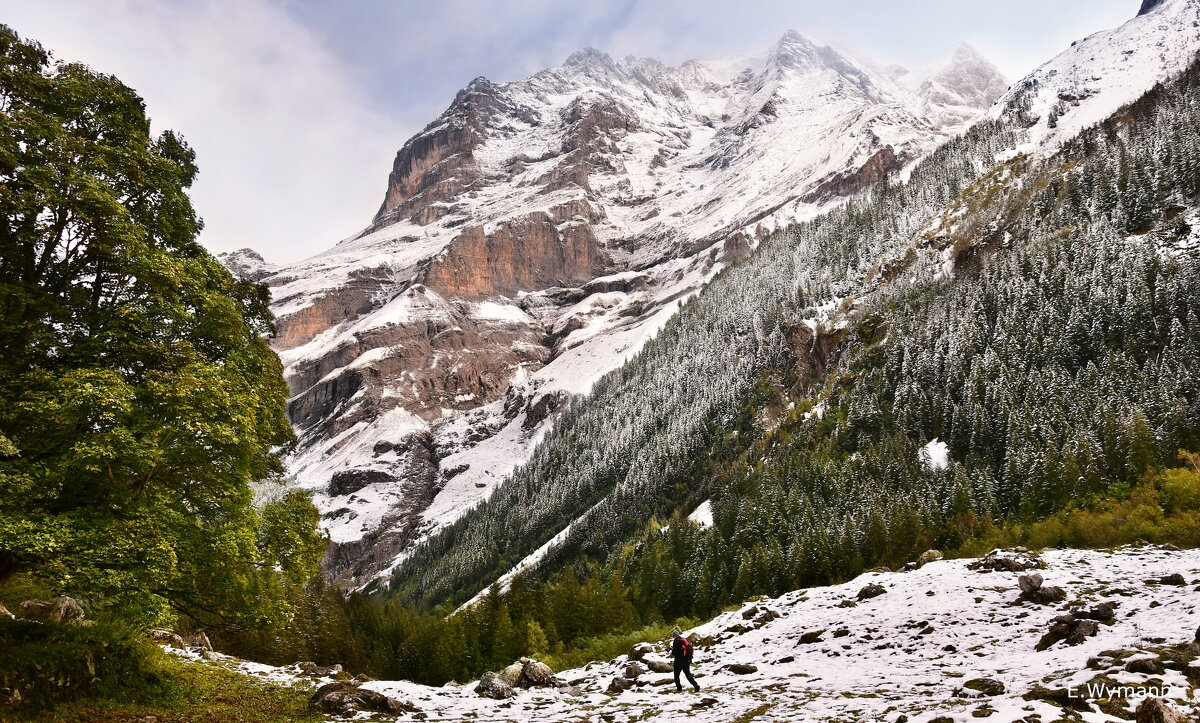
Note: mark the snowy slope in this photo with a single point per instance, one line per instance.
(908, 652)
(449, 332)
(1097, 75)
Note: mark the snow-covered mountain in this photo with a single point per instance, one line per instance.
(537, 233)
(247, 264)
(1097, 75)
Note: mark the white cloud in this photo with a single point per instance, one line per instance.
(293, 155)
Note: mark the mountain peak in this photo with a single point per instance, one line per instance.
(1148, 6)
(793, 43)
(589, 57)
(967, 79)
(246, 264)
(965, 52)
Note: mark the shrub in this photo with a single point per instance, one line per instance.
(42, 665)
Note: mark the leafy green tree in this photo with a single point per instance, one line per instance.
(138, 396)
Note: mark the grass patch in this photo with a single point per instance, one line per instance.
(185, 692)
(754, 713)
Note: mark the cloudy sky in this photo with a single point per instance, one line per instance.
(296, 107)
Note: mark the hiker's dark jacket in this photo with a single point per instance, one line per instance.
(677, 650)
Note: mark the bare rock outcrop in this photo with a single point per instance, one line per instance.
(524, 254)
(60, 609)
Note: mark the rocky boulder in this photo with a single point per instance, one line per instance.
(633, 669)
(55, 610)
(1157, 710)
(345, 697)
(870, 591)
(986, 686)
(1073, 628)
(658, 665)
(929, 556)
(1105, 612)
(1146, 666)
(535, 675)
(310, 669)
(619, 685)
(523, 673)
(198, 641)
(166, 637)
(742, 668)
(491, 685)
(512, 673)
(640, 650)
(1018, 559)
(1033, 590)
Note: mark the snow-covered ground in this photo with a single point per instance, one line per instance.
(903, 655)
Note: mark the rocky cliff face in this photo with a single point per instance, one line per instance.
(536, 234)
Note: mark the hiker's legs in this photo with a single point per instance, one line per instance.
(679, 666)
(687, 670)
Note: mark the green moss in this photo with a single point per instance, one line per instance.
(754, 713)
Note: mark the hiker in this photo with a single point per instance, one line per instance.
(681, 653)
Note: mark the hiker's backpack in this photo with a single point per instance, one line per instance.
(686, 647)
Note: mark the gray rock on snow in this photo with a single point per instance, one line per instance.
(345, 697)
(312, 670)
(986, 686)
(512, 674)
(198, 641)
(929, 556)
(535, 675)
(491, 685)
(1147, 666)
(633, 669)
(1157, 710)
(166, 637)
(870, 591)
(1018, 559)
(1029, 583)
(619, 685)
(1032, 590)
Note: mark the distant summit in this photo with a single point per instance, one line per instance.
(247, 264)
(1148, 5)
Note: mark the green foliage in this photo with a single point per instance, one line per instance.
(138, 396)
(1165, 508)
(47, 664)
